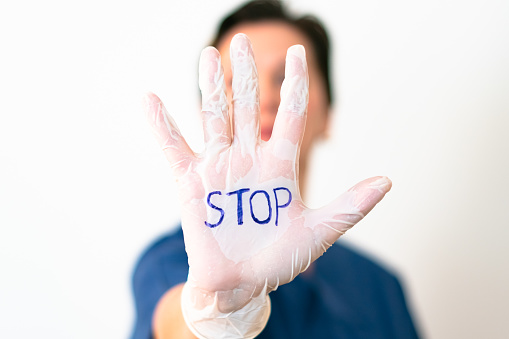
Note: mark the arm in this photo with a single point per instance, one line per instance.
(168, 322)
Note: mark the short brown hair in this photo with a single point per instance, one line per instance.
(310, 26)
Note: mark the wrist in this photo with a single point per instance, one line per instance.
(205, 319)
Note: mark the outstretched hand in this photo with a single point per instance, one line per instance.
(245, 227)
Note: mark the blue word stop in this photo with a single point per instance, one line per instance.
(279, 196)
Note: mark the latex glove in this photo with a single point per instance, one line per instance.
(245, 227)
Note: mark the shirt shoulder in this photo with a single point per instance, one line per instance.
(348, 257)
(371, 290)
(164, 260)
(162, 265)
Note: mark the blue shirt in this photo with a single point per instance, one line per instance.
(344, 295)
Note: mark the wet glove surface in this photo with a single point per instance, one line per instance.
(245, 227)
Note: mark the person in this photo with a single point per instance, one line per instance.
(247, 233)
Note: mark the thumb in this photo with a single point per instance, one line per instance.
(332, 221)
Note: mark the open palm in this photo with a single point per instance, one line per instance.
(245, 227)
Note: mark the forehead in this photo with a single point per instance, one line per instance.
(270, 40)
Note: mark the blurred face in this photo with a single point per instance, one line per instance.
(270, 40)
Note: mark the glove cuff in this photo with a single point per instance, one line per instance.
(210, 323)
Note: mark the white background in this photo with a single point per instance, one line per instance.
(423, 97)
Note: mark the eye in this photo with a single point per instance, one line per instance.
(228, 82)
(279, 75)
(278, 78)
